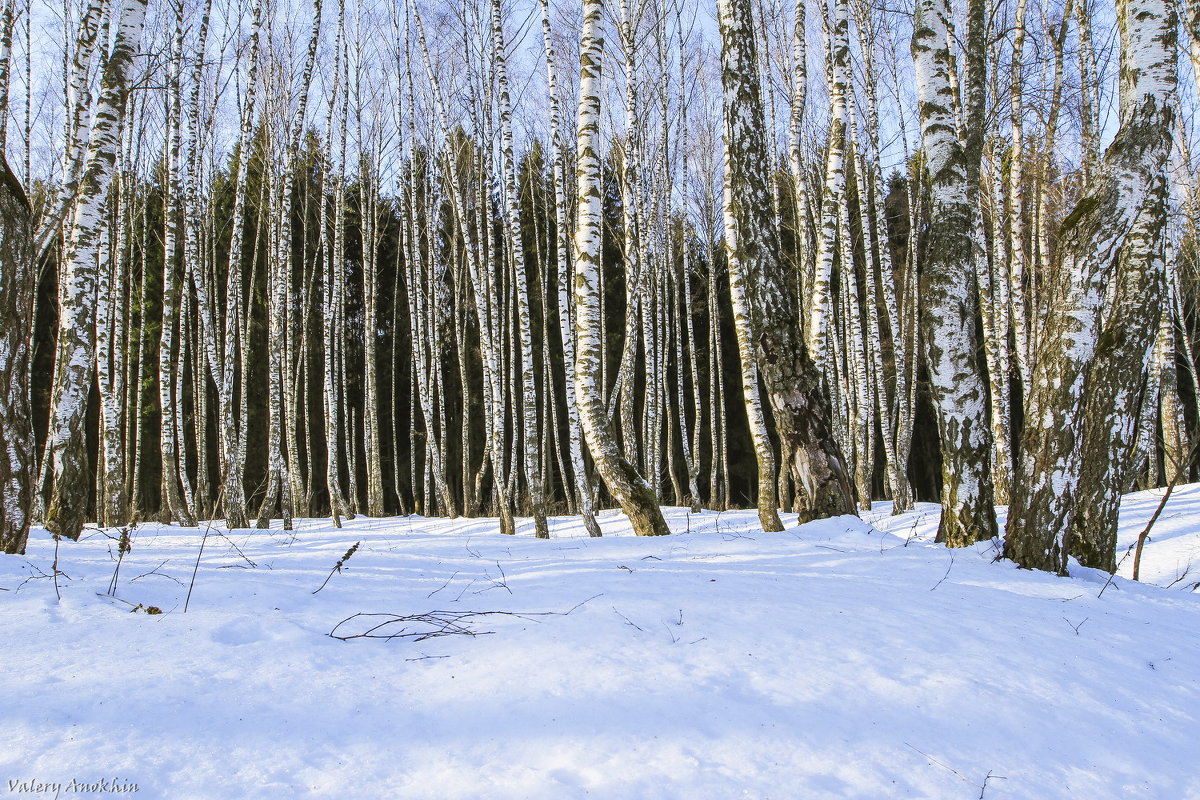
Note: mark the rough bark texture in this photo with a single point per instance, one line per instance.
(764, 451)
(1113, 234)
(16, 316)
(1114, 389)
(232, 434)
(834, 197)
(950, 303)
(792, 381)
(531, 451)
(77, 288)
(173, 466)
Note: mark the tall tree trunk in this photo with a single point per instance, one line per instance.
(562, 252)
(834, 197)
(792, 380)
(231, 478)
(331, 300)
(529, 408)
(626, 485)
(894, 411)
(1113, 238)
(77, 303)
(169, 433)
(950, 301)
(17, 282)
(1016, 188)
(114, 309)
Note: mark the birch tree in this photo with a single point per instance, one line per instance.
(562, 254)
(1110, 244)
(280, 484)
(17, 281)
(77, 300)
(232, 432)
(629, 488)
(950, 302)
(791, 377)
(833, 199)
(167, 375)
(529, 408)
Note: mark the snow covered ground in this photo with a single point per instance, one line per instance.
(844, 658)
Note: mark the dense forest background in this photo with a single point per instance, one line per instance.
(324, 259)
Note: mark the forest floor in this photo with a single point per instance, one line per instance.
(843, 658)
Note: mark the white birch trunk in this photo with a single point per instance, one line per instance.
(562, 252)
(1113, 237)
(950, 301)
(77, 294)
(626, 485)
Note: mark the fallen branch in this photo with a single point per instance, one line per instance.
(431, 624)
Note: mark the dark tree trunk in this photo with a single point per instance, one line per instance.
(801, 409)
(16, 317)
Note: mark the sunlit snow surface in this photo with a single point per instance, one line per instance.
(844, 658)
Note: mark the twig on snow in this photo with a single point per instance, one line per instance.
(443, 586)
(338, 566)
(431, 624)
(963, 778)
(628, 621)
(948, 568)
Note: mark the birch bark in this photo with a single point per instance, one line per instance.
(791, 377)
(950, 302)
(626, 485)
(562, 252)
(1111, 239)
(169, 433)
(77, 301)
(231, 487)
(17, 281)
(529, 405)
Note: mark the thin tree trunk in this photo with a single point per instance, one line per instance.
(562, 252)
(529, 409)
(169, 438)
(626, 485)
(232, 488)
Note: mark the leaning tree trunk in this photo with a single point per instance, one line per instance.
(77, 295)
(1112, 238)
(630, 489)
(764, 450)
(1115, 381)
(950, 299)
(801, 408)
(17, 451)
